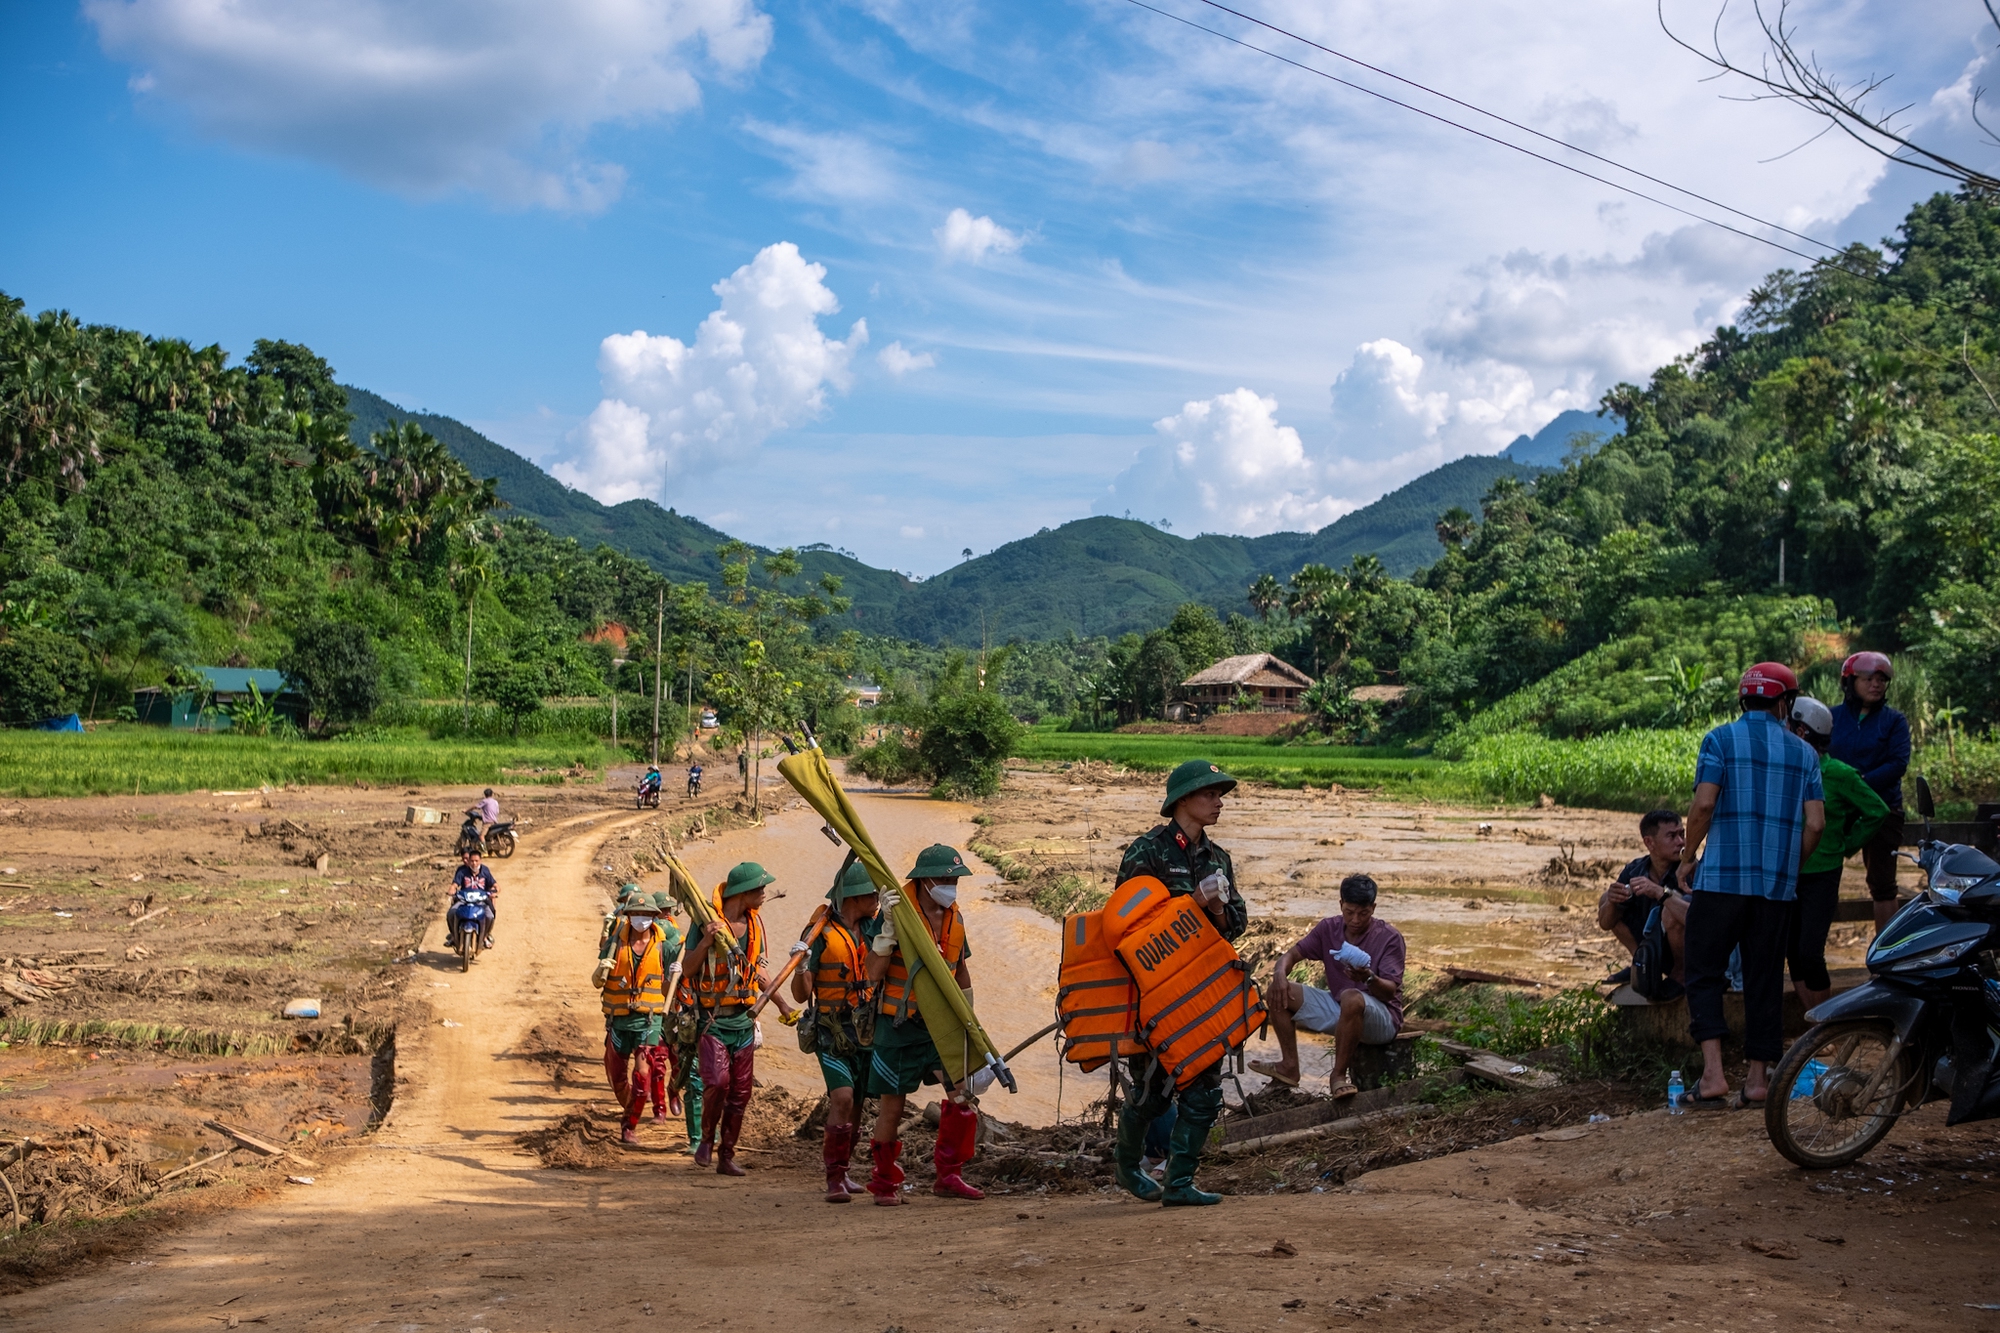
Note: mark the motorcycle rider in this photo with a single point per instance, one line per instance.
(694, 779)
(474, 875)
(483, 814)
(652, 782)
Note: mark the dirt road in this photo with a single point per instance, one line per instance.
(442, 1223)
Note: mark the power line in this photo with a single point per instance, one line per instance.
(1495, 139)
(1514, 124)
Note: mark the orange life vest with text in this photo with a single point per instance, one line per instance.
(1196, 1001)
(638, 980)
(726, 983)
(841, 980)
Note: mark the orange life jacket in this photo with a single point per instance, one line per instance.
(724, 982)
(638, 980)
(841, 980)
(1197, 1002)
(950, 939)
(1096, 1001)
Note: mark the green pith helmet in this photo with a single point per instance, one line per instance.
(746, 877)
(626, 892)
(636, 904)
(665, 903)
(1192, 777)
(854, 884)
(938, 861)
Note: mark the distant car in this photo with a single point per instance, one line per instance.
(707, 719)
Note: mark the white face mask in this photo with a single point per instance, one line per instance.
(641, 922)
(944, 895)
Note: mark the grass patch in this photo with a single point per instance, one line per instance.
(154, 1036)
(1627, 770)
(1250, 758)
(135, 759)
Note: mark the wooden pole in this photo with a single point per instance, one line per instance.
(659, 632)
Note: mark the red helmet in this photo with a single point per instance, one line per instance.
(1867, 664)
(1767, 680)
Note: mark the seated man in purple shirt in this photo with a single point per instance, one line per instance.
(1363, 999)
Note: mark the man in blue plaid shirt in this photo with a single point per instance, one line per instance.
(1759, 805)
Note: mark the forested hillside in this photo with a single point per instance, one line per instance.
(1821, 476)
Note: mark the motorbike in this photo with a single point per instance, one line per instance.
(498, 842)
(1922, 1028)
(648, 792)
(466, 923)
(694, 783)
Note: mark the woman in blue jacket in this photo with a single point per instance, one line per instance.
(1874, 739)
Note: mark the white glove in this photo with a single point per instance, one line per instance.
(600, 974)
(756, 1034)
(1214, 889)
(801, 947)
(981, 1080)
(885, 943)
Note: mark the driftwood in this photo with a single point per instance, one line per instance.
(1350, 1125)
(255, 1144)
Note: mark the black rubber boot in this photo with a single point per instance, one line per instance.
(1199, 1108)
(1131, 1145)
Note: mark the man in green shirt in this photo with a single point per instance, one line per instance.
(1180, 855)
(1853, 812)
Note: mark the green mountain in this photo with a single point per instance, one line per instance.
(680, 547)
(1094, 576)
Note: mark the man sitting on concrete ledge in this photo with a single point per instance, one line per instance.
(1363, 999)
(1650, 881)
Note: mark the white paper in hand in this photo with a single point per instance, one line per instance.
(1351, 956)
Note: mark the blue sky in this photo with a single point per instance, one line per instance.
(910, 278)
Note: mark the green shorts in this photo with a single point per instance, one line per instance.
(897, 1068)
(628, 1032)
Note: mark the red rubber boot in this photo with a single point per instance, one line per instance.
(614, 1069)
(835, 1152)
(885, 1178)
(732, 1130)
(656, 1069)
(957, 1140)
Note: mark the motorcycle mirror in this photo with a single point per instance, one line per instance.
(1925, 805)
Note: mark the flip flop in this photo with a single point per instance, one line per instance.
(1740, 1101)
(1344, 1089)
(1696, 1102)
(1274, 1073)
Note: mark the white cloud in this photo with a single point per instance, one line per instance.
(757, 364)
(964, 236)
(496, 96)
(900, 362)
(836, 166)
(1224, 464)
(912, 534)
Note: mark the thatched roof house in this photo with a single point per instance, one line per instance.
(1276, 685)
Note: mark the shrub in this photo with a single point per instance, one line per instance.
(335, 667)
(42, 675)
(966, 739)
(892, 761)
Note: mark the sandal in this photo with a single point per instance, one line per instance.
(1344, 1089)
(1275, 1072)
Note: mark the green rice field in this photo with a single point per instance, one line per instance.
(139, 759)
(1245, 757)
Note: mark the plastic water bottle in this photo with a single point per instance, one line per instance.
(1676, 1090)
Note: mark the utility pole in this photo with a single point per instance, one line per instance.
(616, 662)
(1781, 562)
(690, 701)
(659, 633)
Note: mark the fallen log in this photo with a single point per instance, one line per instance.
(1350, 1125)
(1474, 974)
(255, 1144)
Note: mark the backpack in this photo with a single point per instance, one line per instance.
(1653, 960)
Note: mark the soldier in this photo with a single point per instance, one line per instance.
(835, 978)
(1180, 855)
(635, 999)
(904, 1058)
(721, 989)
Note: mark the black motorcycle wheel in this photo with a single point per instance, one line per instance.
(1825, 1127)
(500, 846)
(468, 947)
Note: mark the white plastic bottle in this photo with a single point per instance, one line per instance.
(1675, 1092)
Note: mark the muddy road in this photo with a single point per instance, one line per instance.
(441, 1219)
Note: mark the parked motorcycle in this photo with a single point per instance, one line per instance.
(1920, 1029)
(498, 842)
(648, 792)
(466, 923)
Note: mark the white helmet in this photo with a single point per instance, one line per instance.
(1814, 716)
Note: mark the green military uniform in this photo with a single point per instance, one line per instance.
(837, 1038)
(1181, 863)
(904, 1057)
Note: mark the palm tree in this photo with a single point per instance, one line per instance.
(471, 569)
(1455, 526)
(48, 399)
(1266, 596)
